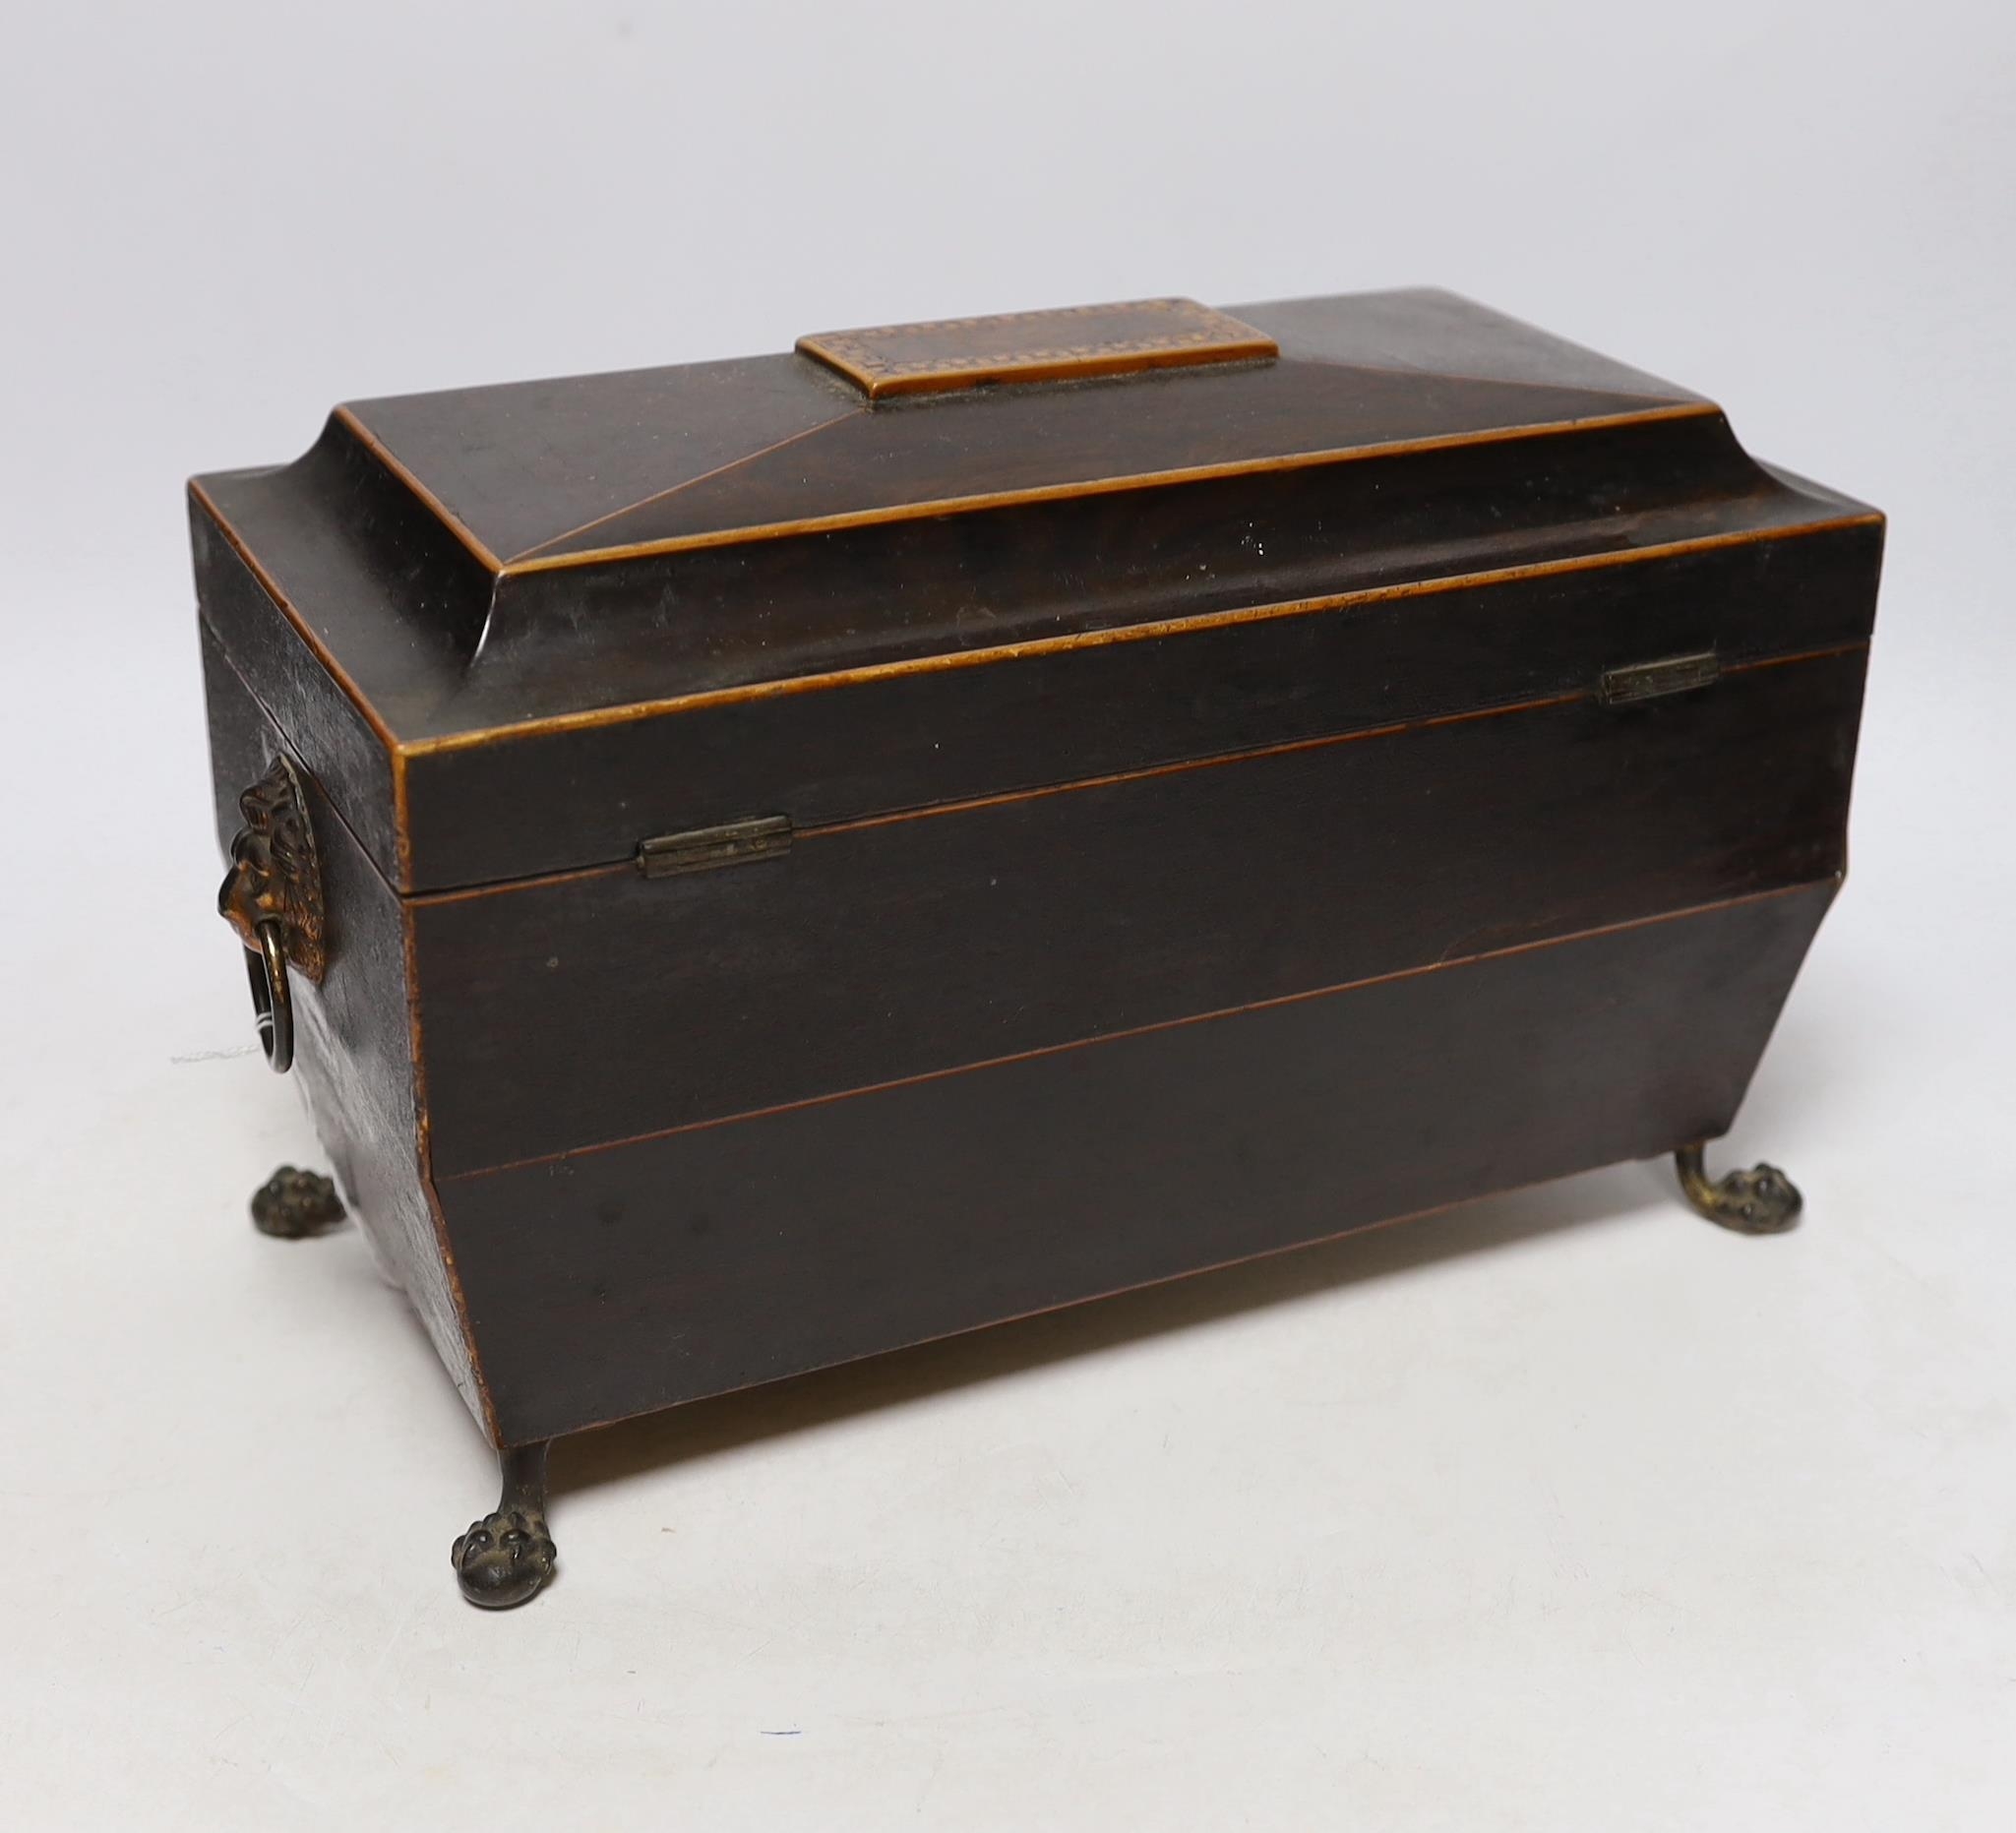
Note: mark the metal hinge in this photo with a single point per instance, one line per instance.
(701, 849)
(1647, 681)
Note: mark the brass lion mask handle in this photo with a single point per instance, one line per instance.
(272, 897)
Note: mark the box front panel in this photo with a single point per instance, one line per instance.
(619, 1281)
(602, 1006)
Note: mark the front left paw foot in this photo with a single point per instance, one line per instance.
(1762, 1201)
(505, 1559)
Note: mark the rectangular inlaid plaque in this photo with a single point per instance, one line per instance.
(1066, 346)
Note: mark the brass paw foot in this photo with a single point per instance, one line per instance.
(1762, 1200)
(507, 1558)
(295, 1204)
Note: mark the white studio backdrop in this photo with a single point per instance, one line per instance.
(1564, 1511)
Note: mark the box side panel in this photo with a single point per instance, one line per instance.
(578, 1011)
(621, 1281)
(326, 729)
(354, 1048)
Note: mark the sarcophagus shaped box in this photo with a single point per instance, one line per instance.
(761, 863)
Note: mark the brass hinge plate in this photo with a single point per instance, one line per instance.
(1648, 681)
(703, 849)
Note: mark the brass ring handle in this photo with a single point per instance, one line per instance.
(273, 1001)
(271, 897)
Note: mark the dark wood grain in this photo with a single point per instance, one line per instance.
(355, 1041)
(1207, 832)
(903, 740)
(527, 463)
(383, 566)
(532, 467)
(622, 1281)
(897, 463)
(1429, 331)
(562, 1014)
(326, 729)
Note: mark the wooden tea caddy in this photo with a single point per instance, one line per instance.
(761, 862)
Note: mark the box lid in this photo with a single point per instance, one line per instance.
(487, 574)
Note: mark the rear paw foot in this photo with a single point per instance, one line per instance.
(295, 1204)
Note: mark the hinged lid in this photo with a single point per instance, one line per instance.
(551, 617)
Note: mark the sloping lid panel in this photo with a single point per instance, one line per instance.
(587, 467)
(524, 465)
(1423, 330)
(979, 452)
